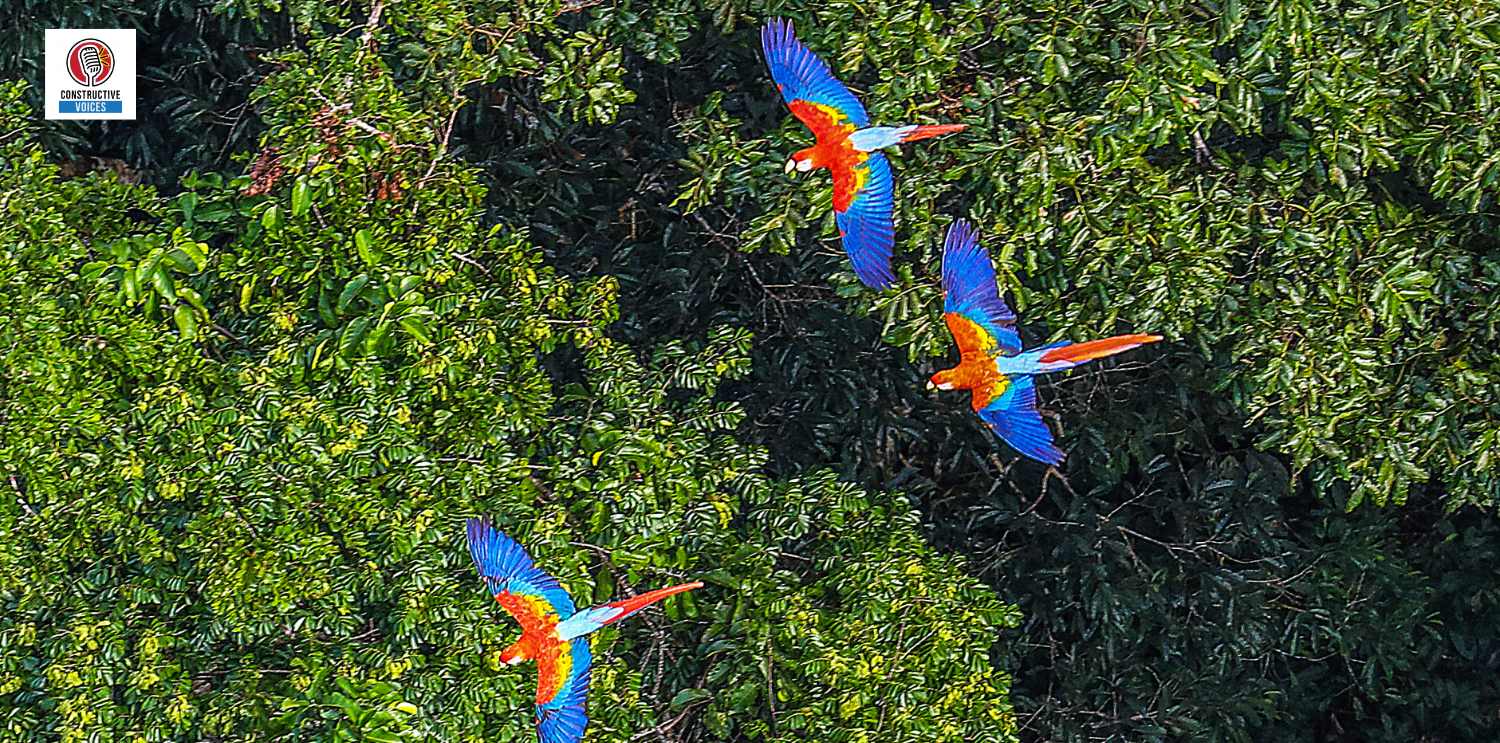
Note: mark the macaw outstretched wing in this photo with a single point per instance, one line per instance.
(1013, 416)
(864, 205)
(979, 319)
(525, 592)
(563, 676)
(816, 97)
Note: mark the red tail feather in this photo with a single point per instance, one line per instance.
(933, 130)
(636, 603)
(1090, 350)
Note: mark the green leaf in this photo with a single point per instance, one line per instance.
(363, 247)
(417, 329)
(195, 252)
(325, 307)
(191, 296)
(353, 337)
(132, 289)
(688, 696)
(352, 290)
(301, 197)
(247, 291)
(376, 337)
(162, 281)
(187, 322)
(187, 203)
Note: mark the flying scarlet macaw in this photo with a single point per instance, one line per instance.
(991, 364)
(863, 194)
(552, 632)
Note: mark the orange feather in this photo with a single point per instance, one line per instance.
(636, 603)
(933, 130)
(1090, 350)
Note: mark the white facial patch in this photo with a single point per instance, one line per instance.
(804, 165)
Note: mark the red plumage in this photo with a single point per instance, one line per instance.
(636, 603)
(928, 131)
(1090, 350)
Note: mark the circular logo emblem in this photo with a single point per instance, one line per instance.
(90, 62)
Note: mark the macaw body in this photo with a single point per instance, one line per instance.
(846, 145)
(553, 632)
(998, 374)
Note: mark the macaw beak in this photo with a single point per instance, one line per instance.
(514, 661)
(931, 387)
(791, 165)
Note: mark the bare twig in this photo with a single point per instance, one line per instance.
(571, 6)
(355, 120)
(442, 148)
(229, 138)
(1201, 151)
(21, 497)
(225, 332)
(368, 37)
(664, 728)
(771, 684)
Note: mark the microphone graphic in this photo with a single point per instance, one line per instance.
(93, 67)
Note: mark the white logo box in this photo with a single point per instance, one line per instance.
(89, 73)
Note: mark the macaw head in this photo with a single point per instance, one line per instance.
(520, 650)
(800, 161)
(942, 380)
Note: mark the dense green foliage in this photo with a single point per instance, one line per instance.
(242, 426)
(659, 352)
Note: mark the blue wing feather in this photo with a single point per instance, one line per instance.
(563, 718)
(969, 287)
(800, 74)
(1014, 418)
(868, 225)
(505, 566)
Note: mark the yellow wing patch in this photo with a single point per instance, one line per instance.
(848, 177)
(985, 393)
(553, 668)
(834, 116)
(971, 337)
(531, 612)
(826, 122)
